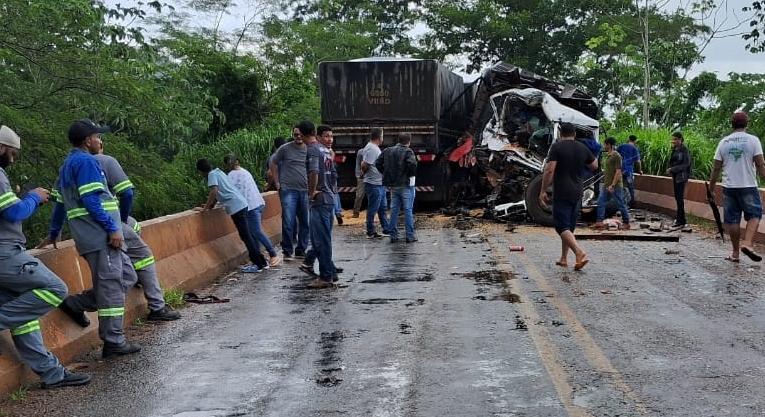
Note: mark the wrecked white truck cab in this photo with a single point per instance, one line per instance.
(524, 124)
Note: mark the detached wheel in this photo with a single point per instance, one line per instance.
(540, 215)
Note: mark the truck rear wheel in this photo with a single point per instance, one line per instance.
(540, 215)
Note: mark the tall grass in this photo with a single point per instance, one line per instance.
(656, 149)
(252, 146)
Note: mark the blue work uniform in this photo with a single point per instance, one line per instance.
(83, 198)
(28, 289)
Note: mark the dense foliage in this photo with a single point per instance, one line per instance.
(175, 85)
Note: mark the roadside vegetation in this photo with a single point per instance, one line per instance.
(177, 84)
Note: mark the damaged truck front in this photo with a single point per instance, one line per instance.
(516, 118)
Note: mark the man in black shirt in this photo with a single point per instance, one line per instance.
(565, 162)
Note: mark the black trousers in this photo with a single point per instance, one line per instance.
(680, 201)
(240, 221)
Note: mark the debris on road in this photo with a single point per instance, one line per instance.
(191, 297)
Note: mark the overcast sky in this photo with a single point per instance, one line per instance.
(722, 55)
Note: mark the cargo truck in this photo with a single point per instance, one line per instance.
(416, 96)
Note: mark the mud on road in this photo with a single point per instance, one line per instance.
(453, 325)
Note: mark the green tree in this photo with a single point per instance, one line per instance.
(544, 36)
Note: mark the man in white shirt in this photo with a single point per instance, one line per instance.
(243, 181)
(739, 156)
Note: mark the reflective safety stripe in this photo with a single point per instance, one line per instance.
(48, 297)
(8, 199)
(143, 263)
(32, 326)
(56, 196)
(124, 185)
(137, 227)
(109, 205)
(75, 213)
(111, 312)
(93, 186)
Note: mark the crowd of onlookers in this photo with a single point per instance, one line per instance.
(304, 173)
(739, 158)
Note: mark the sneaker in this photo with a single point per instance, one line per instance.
(274, 260)
(250, 269)
(412, 240)
(111, 349)
(339, 218)
(374, 235)
(319, 283)
(163, 314)
(676, 224)
(339, 270)
(308, 269)
(265, 267)
(288, 257)
(71, 379)
(77, 316)
(384, 234)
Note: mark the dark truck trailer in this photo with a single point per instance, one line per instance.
(419, 97)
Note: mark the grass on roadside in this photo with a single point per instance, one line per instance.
(19, 394)
(703, 223)
(174, 298)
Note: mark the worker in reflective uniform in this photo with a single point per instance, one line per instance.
(116, 178)
(144, 267)
(28, 289)
(139, 252)
(93, 217)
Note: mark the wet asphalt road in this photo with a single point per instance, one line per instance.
(454, 325)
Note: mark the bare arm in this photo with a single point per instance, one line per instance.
(547, 178)
(274, 173)
(716, 173)
(759, 163)
(313, 183)
(593, 166)
(212, 198)
(364, 167)
(617, 177)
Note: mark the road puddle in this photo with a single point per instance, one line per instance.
(400, 278)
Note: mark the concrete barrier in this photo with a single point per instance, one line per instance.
(191, 250)
(657, 193)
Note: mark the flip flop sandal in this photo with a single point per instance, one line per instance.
(579, 265)
(751, 254)
(563, 264)
(732, 259)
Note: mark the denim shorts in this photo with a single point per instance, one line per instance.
(565, 214)
(737, 200)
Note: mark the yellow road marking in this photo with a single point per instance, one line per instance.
(584, 340)
(547, 351)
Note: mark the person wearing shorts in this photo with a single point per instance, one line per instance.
(739, 157)
(565, 163)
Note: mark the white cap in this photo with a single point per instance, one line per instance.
(9, 138)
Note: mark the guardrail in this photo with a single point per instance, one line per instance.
(657, 193)
(191, 249)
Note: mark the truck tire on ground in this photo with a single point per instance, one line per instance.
(539, 214)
